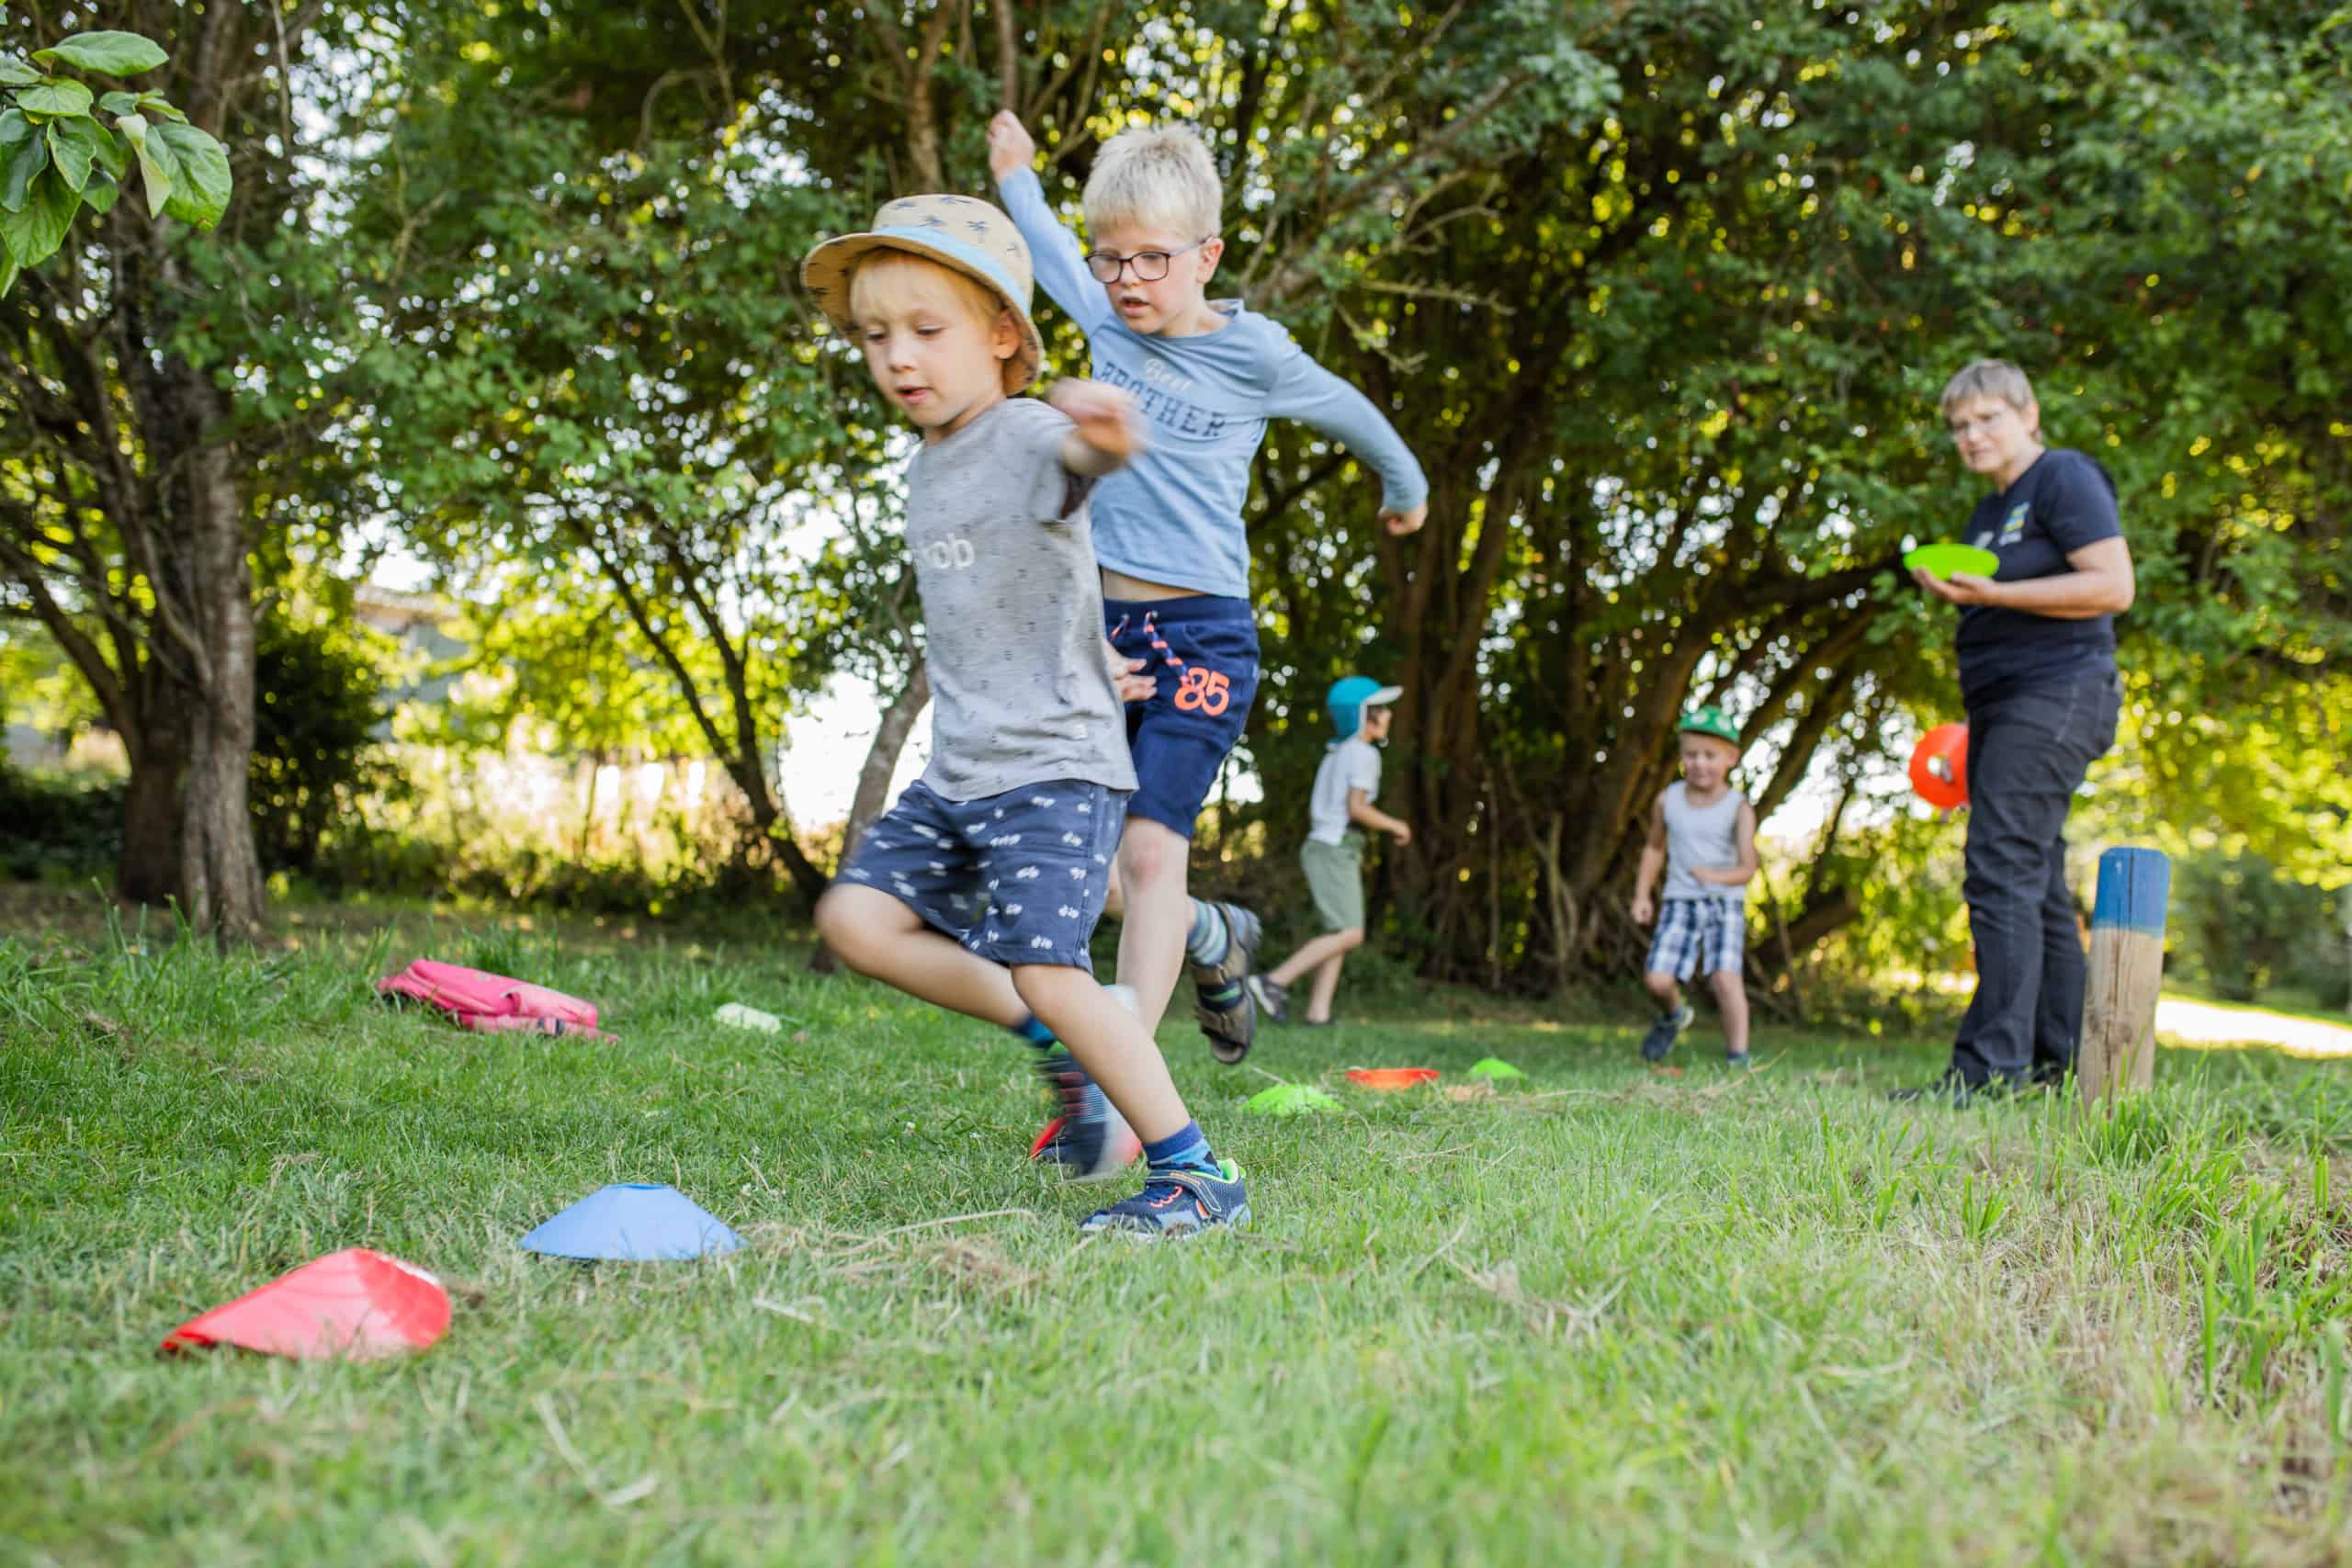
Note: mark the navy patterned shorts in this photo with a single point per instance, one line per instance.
(1017, 878)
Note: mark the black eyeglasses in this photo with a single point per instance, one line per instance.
(1109, 266)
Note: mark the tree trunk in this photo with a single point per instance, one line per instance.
(220, 884)
(148, 871)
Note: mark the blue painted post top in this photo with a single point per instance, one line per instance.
(2133, 886)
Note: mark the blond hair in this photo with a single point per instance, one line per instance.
(1988, 379)
(1156, 177)
(887, 277)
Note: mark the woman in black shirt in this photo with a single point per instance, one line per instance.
(2038, 679)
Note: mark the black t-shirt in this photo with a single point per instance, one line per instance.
(2062, 502)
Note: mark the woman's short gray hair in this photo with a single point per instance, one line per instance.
(1989, 379)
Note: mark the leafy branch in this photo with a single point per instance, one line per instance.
(64, 147)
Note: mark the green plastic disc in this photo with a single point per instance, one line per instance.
(1948, 558)
(1291, 1099)
(1495, 1068)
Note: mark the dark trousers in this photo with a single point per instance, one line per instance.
(2027, 755)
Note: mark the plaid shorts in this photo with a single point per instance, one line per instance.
(1708, 935)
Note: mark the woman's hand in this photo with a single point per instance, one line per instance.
(1959, 588)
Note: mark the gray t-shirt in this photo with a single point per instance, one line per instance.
(1353, 764)
(1012, 610)
(1697, 836)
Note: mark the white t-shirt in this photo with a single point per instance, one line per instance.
(1353, 764)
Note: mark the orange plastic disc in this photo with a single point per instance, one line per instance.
(1940, 767)
(1390, 1079)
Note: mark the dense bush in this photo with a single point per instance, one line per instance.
(2243, 929)
(58, 829)
(319, 703)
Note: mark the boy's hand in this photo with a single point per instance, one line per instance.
(1106, 418)
(1399, 524)
(1010, 147)
(1643, 911)
(1132, 687)
(1403, 831)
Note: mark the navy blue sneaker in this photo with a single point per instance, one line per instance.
(1177, 1203)
(1664, 1030)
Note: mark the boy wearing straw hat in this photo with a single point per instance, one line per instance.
(979, 888)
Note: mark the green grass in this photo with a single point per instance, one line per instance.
(1614, 1317)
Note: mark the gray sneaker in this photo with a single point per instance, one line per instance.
(1223, 1004)
(1272, 995)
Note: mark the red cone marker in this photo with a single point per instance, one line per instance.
(354, 1303)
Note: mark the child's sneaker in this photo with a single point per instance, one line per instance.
(1231, 1026)
(1664, 1030)
(1177, 1203)
(1090, 1140)
(1735, 1060)
(1272, 995)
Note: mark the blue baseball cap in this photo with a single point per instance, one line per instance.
(1349, 695)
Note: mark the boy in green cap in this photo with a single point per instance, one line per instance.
(1702, 835)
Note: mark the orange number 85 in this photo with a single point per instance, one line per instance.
(1205, 689)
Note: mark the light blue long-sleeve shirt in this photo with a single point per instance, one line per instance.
(1173, 515)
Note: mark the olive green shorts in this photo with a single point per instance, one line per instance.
(1335, 876)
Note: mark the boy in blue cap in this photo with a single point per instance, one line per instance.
(979, 888)
(1702, 835)
(1332, 857)
(1208, 376)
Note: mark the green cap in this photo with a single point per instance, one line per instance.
(1709, 719)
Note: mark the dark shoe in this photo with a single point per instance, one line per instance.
(1090, 1140)
(1231, 1026)
(1271, 996)
(1664, 1030)
(1953, 1091)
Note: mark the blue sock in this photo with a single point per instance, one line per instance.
(1184, 1149)
(1033, 1029)
(1208, 940)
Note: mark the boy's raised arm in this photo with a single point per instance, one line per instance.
(1108, 432)
(1053, 249)
(1304, 392)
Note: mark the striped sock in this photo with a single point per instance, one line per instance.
(1207, 944)
(1185, 1149)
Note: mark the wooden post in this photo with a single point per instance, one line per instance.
(2127, 968)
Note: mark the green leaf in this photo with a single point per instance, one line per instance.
(33, 235)
(25, 161)
(120, 103)
(55, 98)
(108, 54)
(72, 149)
(158, 168)
(14, 73)
(112, 154)
(162, 105)
(204, 182)
(101, 193)
(8, 272)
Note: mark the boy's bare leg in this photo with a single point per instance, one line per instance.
(1330, 944)
(1156, 917)
(1327, 986)
(1109, 1042)
(1664, 990)
(1731, 1000)
(882, 938)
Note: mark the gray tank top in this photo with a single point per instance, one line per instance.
(1696, 836)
